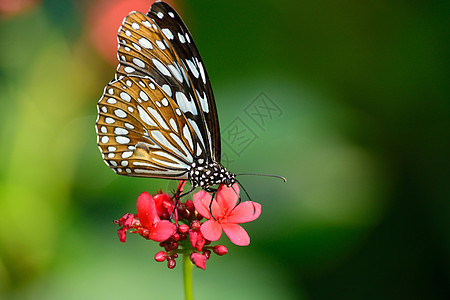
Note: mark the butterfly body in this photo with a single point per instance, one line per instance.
(158, 117)
(211, 174)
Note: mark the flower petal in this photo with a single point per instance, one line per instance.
(197, 199)
(202, 200)
(193, 235)
(122, 234)
(162, 230)
(227, 198)
(245, 212)
(159, 202)
(236, 234)
(146, 210)
(211, 230)
(199, 260)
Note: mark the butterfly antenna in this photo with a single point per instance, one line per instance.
(266, 175)
(245, 191)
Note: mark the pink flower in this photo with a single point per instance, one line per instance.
(227, 214)
(158, 230)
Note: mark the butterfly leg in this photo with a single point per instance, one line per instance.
(177, 197)
(214, 191)
(210, 204)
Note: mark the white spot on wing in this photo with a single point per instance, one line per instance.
(203, 101)
(128, 69)
(187, 136)
(162, 68)
(181, 38)
(122, 139)
(145, 117)
(192, 68)
(173, 124)
(126, 154)
(160, 44)
(199, 150)
(166, 88)
(176, 73)
(145, 43)
(125, 97)
(197, 131)
(120, 113)
(184, 104)
(158, 136)
(167, 33)
(178, 163)
(136, 46)
(158, 118)
(138, 62)
(202, 70)
(120, 131)
(143, 96)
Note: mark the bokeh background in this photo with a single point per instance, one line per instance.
(360, 130)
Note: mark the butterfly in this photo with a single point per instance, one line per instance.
(158, 117)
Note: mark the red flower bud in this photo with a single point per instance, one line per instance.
(160, 256)
(190, 206)
(199, 260)
(171, 263)
(220, 250)
(183, 228)
(195, 225)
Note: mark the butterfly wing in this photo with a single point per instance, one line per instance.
(158, 45)
(142, 132)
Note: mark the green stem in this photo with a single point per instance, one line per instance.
(187, 277)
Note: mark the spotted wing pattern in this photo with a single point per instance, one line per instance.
(159, 45)
(142, 132)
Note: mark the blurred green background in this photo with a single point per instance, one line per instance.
(360, 131)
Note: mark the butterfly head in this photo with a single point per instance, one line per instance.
(210, 174)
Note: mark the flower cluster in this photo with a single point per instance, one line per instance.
(194, 226)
